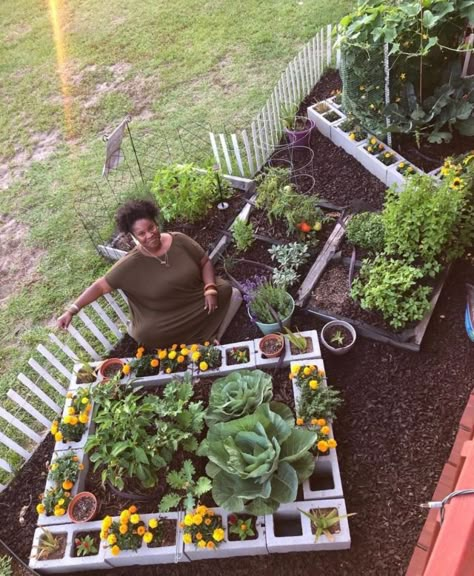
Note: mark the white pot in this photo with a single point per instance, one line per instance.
(328, 345)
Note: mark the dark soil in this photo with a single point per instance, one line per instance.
(271, 346)
(18, 569)
(112, 370)
(338, 336)
(95, 537)
(168, 535)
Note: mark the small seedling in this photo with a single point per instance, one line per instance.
(85, 546)
(298, 341)
(48, 544)
(338, 338)
(323, 522)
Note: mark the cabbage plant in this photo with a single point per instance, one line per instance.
(238, 394)
(256, 462)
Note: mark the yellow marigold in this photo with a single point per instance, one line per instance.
(197, 519)
(184, 351)
(147, 537)
(187, 539)
(139, 355)
(115, 550)
(307, 370)
(210, 512)
(67, 419)
(168, 370)
(321, 373)
(54, 430)
(332, 443)
(135, 518)
(153, 523)
(180, 359)
(60, 502)
(69, 395)
(59, 511)
(141, 349)
(299, 421)
(124, 516)
(401, 165)
(325, 430)
(201, 510)
(181, 525)
(107, 522)
(141, 530)
(73, 420)
(210, 545)
(154, 363)
(194, 347)
(373, 140)
(313, 384)
(314, 421)
(103, 534)
(88, 408)
(295, 369)
(321, 422)
(123, 529)
(323, 446)
(218, 534)
(85, 400)
(162, 354)
(201, 544)
(126, 369)
(40, 508)
(199, 536)
(188, 520)
(83, 418)
(203, 366)
(71, 411)
(53, 466)
(58, 436)
(352, 136)
(112, 539)
(195, 356)
(387, 154)
(67, 484)
(174, 347)
(132, 509)
(172, 355)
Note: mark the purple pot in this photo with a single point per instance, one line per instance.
(300, 137)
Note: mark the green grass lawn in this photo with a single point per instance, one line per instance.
(167, 63)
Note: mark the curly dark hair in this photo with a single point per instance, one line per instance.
(134, 210)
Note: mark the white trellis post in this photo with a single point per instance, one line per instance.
(386, 66)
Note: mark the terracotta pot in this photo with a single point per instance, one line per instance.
(107, 364)
(82, 500)
(276, 341)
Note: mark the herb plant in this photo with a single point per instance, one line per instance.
(366, 230)
(241, 527)
(85, 546)
(185, 488)
(323, 522)
(268, 297)
(242, 234)
(6, 566)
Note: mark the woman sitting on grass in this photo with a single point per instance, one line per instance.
(170, 284)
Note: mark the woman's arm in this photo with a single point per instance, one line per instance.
(209, 277)
(90, 294)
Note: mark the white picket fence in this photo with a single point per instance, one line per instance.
(46, 377)
(244, 153)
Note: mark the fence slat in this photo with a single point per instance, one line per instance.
(123, 296)
(54, 361)
(32, 411)
(297, 79)
(47, 376)
(107, 319)
(95, 330)
(64, 347)
(82, 342)
(226, 153)
(268, 143)
(238, 158)
(14, 446)
(306, 68)
(329, 44)
(19, 425)
(215, 149)
(4, 465)
(248, 151)
(38, 392)
(321, 49)
(275, 119)
(116, 308)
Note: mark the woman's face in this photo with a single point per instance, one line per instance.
(147, 233)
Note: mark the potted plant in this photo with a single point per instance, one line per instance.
(86, 544)
(238, 355)
(270, 307)
(85, 373)
(325, 521)
(83, 507)
(203, 528)
(297, 128)
(338, 336)
(110, 367)
(50, 546)
(272, 345)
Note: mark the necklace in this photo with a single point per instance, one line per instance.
(163, 262)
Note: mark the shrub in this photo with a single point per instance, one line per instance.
(242, 234)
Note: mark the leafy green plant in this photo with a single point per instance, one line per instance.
(49, 544)
(256, 462)
(65, 467)
(242, 234)
(240, 355)
(85, 373)
(137, 435)
(183, 192)
(266, 297)
(6, 566)
(298, 342)
(85, 545)
(317, 402)
(289, 118)
(186, 488)
(323, 522)
(393, 288)
(289, 258)
(366, 230)
(237, 395)
(241, 527)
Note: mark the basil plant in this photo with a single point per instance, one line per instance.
(256, 462)
(238, 394)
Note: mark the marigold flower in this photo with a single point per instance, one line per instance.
(174, 347)
(141, 530)
(181, 525)
(197, 519)
(58, 436)
(387, 155)
(332, 443)
(203, 366)
(317, 226)
(201, 544)
(112, 539)
(321, 422)
(59, 511)
(325, 430)
(83, 418)
(352, 136)
(124, 516)
(168, 370)
(67, 485)
(172, 355)
(147, 537)
(139, 355)
(123, 529)
(299, 421)
(107, 522)
(207, 521)
(73, 420)
(67, 419)
(307, 370)
(54, 430)
(210, 545)
(85, 400)
(187, 538)
(40, 508)
(60, 502)
(313, 384)
(199, 536)
(69, 395)
(126, 369)
(373, 140)
(322, 373)
(180, 359)
(194, 347)
(103, 534)
(153, 523)
(162, 354)
(188, 520)
(401, 165)
(115, 550)
(195, 356)
(218, 534)
(71, 411)
(201, 509)
(323, 446)
(295, 369)
(154, 363)
(184, 351)
(314, 422)
(135, 518)
(141, 349)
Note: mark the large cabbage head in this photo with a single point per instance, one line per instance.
(238, 394)
(256, 462)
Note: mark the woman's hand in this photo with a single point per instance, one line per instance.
(210, 303)
(64, 320)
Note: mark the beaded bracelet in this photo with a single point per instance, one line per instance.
(210, 285)
(210, 292)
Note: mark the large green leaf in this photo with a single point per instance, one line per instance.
(261, 506)
(466, 127)
(304, 467)
(299, 442)
(284, 484)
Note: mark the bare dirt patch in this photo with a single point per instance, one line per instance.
(18, 261)
(16, 32)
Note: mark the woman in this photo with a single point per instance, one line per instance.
(170, 284)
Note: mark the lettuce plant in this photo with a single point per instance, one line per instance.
(238, 394)
(256, 462)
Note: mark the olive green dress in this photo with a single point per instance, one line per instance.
(167, 302)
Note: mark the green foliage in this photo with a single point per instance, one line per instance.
(65, 467)
(48, 544)
(256, 462)
(242, 234)
(393, 288)
(241, 527)
(289, 118)
(237, 395)
(295, 338)
(266, 297)
(188, 490)
(137, 435)
(85, 545)
(289, 258)
(321, 402)
(185, 193)
(323, 522)
(366, 230)
(6, 566)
